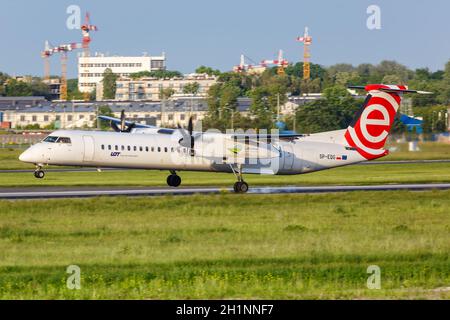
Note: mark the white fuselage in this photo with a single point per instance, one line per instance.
(160, 151)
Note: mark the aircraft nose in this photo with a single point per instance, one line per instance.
(26, 156)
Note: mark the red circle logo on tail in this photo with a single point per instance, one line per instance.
(368, 135)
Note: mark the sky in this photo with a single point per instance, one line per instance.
(215, 33)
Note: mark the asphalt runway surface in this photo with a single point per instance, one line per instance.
(86, 192)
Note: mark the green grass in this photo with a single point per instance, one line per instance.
(228, 246)
(356, 174)
(428, 151)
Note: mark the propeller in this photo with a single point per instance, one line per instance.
(188, 140)
(123, 125)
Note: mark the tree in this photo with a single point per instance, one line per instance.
(166, 93)
(213, 100)
(310, 86)
(191, 88)
(159, 74)
(39, 88)
(334, 112)
(105, 111)
(3, 79)
(344, 78)
(422, 74)
(366, 73)
(208, 70)
(72, 90)
(16, 88)
(109, 84)
(260, 108)
(221, 98)
(394, 68)
(392, 79)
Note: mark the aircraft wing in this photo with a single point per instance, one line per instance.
(117, 122)
(267, 136)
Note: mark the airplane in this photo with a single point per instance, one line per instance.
(138, 146)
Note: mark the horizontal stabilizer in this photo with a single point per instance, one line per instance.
(389, 88)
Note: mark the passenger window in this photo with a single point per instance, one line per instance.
(123, 148)
(64, 140)
(171, 149)
(134, 148)
(165, 149)
(103, 147)
(153, 149)
(117, 148)
(146, 149)
(109, 147)
(159, 149)
(129, 148)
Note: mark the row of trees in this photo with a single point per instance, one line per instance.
(11, 87)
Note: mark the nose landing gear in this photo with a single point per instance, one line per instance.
(240, 187)
(173, 180)
(39, 173)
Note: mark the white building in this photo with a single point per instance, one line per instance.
(91, 69)
(149, 89)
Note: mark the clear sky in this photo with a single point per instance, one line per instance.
(215, 33)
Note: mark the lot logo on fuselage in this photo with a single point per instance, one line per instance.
(115, 154)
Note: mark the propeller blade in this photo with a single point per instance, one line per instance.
(190, 126)
(122, 120)
(191, 130)
(187, 139)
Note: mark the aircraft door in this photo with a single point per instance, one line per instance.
(89, 149)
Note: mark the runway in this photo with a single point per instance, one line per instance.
(122, 169)
(86, 192)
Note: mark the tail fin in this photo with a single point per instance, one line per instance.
(369, 130)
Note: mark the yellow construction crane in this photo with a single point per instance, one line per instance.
(307, 40)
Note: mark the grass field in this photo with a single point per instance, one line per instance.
(228, 246)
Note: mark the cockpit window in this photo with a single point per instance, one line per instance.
(64, 140)
(51, 139)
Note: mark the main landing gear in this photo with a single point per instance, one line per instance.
(173, 180)
(39, 173)
(240, 186)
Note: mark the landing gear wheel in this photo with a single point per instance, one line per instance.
(240, 187)
(173, 180)
(39, 174)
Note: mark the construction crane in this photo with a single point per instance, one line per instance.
(63, 49)
(85, 31)
(307, 40)
(280, 62)
(247, 67)
(46, 54)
